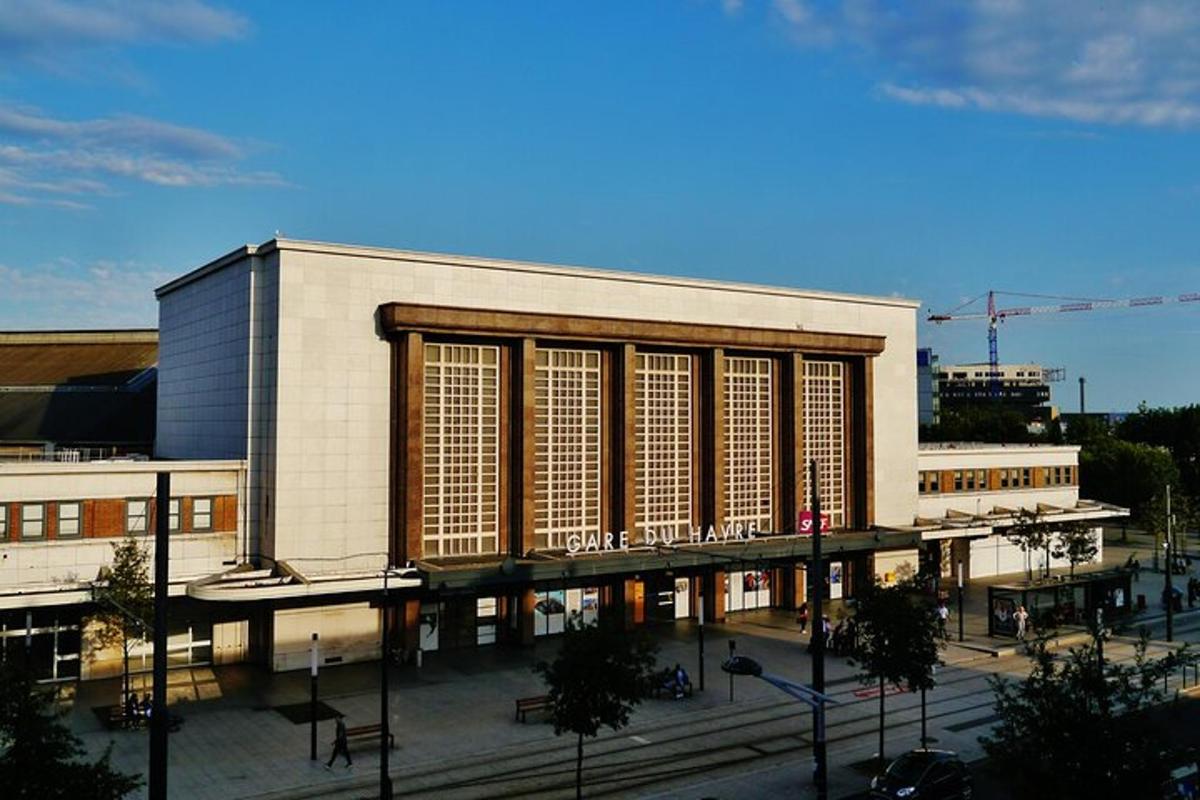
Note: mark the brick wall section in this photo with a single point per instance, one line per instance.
(106, 518)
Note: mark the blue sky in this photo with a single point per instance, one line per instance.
(932, 150)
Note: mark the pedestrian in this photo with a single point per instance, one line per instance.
(1022, 618)
(1137, 569)
(132, 710)
(827, 629)
(147, 707)
(681, 681)
(943, 614)
(802, 617)
(341, 745)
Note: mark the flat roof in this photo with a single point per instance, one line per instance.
(298, 245)
(996, 447)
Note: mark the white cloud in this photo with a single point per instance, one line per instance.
(47, 32)
(43, 158)
(62, 293)
(1097, 63)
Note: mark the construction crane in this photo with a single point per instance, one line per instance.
(995, 316)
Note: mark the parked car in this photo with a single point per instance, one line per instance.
(924, 775)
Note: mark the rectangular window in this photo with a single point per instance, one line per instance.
(935, 482)
(749, 441)
(462, 449)
(33, 521)
(567, 446)
(3, 521)
(981, 479)
(173, 514)
(1058, 476)
(202, 514)
(970, 480)
(68, 520)
(922, 482)
(137, 514)
(825, 435)
(1046, 476)
(1003, 479)
(663, 441)
(1026, 477)
(958, 481)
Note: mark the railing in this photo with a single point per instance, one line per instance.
(70, 454)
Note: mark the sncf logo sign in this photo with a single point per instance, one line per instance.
(804, 523)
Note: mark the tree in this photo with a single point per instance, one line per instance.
(1128, 474)
(1075, 728)
(39, 754)
(984, 422)
(897, 641)
(1030, 533)
(1076, 542)
(1177, 430)
(601, 672)
(126, 601)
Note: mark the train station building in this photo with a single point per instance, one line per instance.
(524, 442)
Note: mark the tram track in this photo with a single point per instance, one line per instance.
(622, 764)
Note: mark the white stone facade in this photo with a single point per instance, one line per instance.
(318, 379)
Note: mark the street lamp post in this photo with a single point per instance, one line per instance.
(312, 700)
(820, 767)
(701, 656)
(385, 780)
(960, 600)
(1170, 594)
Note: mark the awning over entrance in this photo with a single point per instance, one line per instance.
(547, 567)
(284, 580)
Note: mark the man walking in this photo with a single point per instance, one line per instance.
(943, 615)
(341, 746)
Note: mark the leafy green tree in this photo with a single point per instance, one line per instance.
(1030, 533)
(126, 601)
(39, 756)
(1177, 430)
(1076, 542)
(1074, 728)
(601, 672)
(984, 422)
(1128, 474)
(897, 641)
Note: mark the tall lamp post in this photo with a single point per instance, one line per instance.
(960, 600)
(385, 779)
(1169, 592)
(820, 771)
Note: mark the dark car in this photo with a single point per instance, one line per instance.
(924, 775)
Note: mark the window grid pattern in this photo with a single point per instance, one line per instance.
(567, 460)
(462, 450)
(33, 521)
(748, 442)
(825, 435)
(68, 520)
(202, 508)
(663, 431)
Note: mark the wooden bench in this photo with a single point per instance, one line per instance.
(370, 732)
(668, 686)
(527, 704)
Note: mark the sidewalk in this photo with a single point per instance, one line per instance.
(237, 742)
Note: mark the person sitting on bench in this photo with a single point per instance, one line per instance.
(681, 681)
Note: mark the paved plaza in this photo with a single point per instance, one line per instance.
(456, 735)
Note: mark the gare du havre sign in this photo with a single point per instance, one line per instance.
(695, 535)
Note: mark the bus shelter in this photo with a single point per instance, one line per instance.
(1060, 601)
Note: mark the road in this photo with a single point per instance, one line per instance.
(748, 750)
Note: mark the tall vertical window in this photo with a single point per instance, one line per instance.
(663, 433)
(567, 462)
(748, 442)
(462, 449)
(137, 513)
(173, 514)
(825, 435)
(3, 521)
(202, 514)
(33, 520)
(68, 520)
